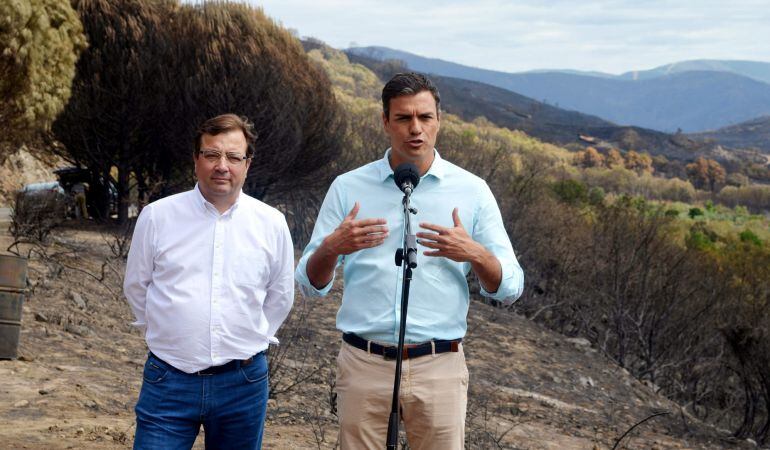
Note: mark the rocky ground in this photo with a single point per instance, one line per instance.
(23, 165)
(78, 374)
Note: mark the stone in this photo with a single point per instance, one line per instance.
(78, 299)
(80, 330)
(579, 342)
(21, 404)
(40, 317)
(587, 381)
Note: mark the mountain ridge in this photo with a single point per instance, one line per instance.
(692, 101)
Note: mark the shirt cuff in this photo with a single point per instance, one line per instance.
(306, 287)
(510, 287)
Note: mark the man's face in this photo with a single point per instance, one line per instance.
(221, 181)
(412, 127)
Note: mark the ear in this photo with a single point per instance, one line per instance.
(384, 120)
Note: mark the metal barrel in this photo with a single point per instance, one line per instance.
(13, 282)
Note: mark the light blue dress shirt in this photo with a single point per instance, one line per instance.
(438, 295)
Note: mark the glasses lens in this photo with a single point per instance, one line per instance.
(213, 156)
(234, 158)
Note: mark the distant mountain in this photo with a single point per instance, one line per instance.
(667, 101)
(754, 133)
(471, 99)
(759, 71)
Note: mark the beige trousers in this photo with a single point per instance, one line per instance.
(433, 395)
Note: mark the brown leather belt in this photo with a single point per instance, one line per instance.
(411, 351)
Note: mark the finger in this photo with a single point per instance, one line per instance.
(456, 218)
(372, 229)
(431, 236)
(437, 228)
(433, 253)
(373, 236)
(353, 212)
(369, 222)
(370, 243)
(429, 244)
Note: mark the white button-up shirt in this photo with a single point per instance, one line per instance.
(205, 287)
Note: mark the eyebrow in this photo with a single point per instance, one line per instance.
(406, 115)
(219, 151)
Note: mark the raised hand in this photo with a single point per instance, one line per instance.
(353, 235)
(455, 243)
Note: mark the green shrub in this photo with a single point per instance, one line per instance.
(748, 236)
(40, 42)
(570, 191)
(695, 212)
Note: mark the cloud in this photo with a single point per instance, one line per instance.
(608, 35)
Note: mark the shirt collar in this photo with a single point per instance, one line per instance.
(437, 169)
(208, 206)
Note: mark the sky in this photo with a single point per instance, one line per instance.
(612, 36)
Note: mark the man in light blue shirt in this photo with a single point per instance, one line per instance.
(359, 226)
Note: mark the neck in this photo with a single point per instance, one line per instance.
(423, 165)
(221, 203)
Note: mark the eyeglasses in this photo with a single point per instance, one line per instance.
(234, 159)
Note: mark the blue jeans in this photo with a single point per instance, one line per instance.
(173, 405)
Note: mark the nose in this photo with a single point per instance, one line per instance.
(221, 165)
(414, 126)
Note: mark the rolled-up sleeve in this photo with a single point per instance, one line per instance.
(329, 217)
(490, 232)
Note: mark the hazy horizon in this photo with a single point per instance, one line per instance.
(610, 36)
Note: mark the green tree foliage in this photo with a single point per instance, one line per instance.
(750, 237)
(695, 212)
(40, 42)
(571, 191)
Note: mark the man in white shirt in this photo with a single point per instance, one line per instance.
(210, 279)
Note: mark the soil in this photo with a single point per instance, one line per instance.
(79, 370)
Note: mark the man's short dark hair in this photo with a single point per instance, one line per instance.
(224, 123)
(410, 83)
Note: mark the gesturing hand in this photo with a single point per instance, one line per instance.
(453, 243)
(353, 235)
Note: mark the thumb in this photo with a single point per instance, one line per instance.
(456, 218)
(353, 212)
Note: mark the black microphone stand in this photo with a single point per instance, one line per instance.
(406, 254)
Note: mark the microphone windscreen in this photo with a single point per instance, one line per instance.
(406, 172)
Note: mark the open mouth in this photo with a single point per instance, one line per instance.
(415, 142)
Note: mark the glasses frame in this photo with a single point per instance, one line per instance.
(232, 159)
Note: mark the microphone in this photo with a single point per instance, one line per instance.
(406, 177)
